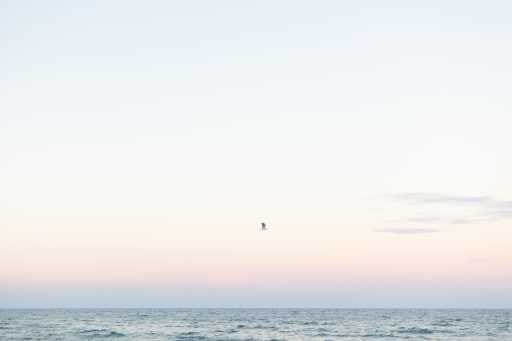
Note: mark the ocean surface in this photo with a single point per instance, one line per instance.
(255, 324)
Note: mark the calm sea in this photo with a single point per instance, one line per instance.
(255, 324)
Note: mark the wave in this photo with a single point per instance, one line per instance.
(100, 333)
(415, 330)
(193, 336)
(442, 323)
(310, 323)
(190, 336)
(373, 335)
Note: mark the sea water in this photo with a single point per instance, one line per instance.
(255, 324)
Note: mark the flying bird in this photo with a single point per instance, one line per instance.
(263, 226)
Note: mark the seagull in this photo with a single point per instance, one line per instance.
(263, 226)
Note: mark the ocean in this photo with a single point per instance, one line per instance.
(255, 324)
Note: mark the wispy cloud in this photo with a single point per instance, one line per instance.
(433, 198)
(407, 230)
(485, 208)
(443, 220)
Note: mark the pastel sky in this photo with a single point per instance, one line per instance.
(142, 143)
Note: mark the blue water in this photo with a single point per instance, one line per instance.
(255, 324)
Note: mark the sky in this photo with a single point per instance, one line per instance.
(143, 143)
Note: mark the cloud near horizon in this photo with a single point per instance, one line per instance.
(489, 209)
(407, 230)
(432, 198)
